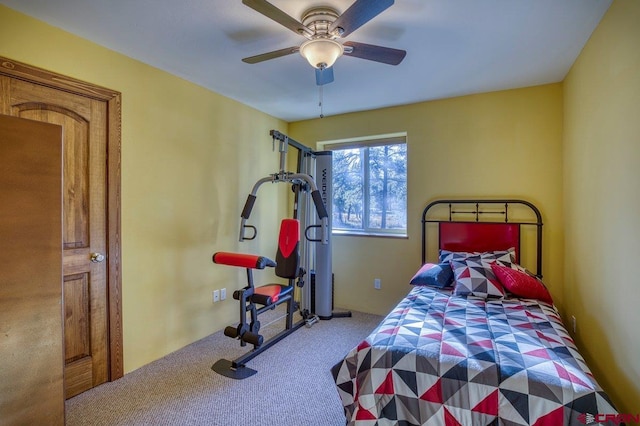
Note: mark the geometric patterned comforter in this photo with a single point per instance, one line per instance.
(439, 359)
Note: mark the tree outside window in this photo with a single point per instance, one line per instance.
(370, 187)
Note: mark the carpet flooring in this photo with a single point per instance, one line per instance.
(293, 386)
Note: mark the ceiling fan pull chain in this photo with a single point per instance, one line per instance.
(321, 102)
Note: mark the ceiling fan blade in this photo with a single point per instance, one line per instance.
(272, 12)
(358, 14)
(270, 55)
(324, 76)
(372, 52)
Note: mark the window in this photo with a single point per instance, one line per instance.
(370, 186)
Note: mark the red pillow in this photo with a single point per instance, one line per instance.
(520, 283)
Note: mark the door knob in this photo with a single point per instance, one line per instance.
(97, 257)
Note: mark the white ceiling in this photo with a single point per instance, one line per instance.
(454, 47)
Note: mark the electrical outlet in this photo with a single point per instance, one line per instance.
(573, 323)
(223, 294)
(216, 295)
(376, 283)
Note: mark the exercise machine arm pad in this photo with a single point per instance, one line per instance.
(320, 208)
(248, 206)
(242, 260)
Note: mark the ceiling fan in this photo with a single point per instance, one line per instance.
(323, 27)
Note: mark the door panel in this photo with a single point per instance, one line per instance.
(76, 317)
(31, 382)
(84, 124)
(76, 167)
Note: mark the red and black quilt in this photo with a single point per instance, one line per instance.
(440, 359)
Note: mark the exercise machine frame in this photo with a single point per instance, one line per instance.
(302, 183)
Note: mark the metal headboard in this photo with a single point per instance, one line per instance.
(479, 211)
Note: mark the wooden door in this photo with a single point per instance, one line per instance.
(31, 386)
(85, 227)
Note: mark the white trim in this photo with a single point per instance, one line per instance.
(322, 144)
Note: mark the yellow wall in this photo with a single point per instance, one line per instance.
(602, 202)
(189, 159)
(500, 144)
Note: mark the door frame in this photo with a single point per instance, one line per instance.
(15, 69)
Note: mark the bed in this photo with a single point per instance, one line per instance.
(462, 348)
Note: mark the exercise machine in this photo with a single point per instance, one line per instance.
(297, 259)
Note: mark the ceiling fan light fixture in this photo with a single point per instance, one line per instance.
(321, 52)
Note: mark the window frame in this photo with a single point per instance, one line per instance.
(369, 142)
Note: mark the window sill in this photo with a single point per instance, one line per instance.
(367, 234)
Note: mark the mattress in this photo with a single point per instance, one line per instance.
(441, 359)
